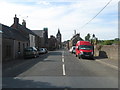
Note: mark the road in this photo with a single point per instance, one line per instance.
(60, 69)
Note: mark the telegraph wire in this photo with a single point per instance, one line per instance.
(96, 14)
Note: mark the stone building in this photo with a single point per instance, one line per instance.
(13, 43)
(74, 40)
(43, 34)
(16, 38)
(25, 32)
(52, 43)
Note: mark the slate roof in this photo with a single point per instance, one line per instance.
(26, 29)
(40, 33)
(10, 33)
(23, 30)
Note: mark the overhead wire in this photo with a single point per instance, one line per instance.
(96, 14)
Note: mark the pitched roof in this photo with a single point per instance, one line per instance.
(10, 33)
(40, 33)
(23, 30)
(26, 29)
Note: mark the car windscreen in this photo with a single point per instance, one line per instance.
(86, 47)
(41, 49)
(28, 49)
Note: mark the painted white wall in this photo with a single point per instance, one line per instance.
(32, 40)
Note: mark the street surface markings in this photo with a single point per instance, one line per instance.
(63, 57)
(64, 69)
(63, 64)
(63, 60)
(110, 65)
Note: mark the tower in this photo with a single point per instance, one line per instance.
(58, 37)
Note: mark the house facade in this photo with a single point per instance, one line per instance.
(74, 40)
(43, 37)
(13, 43)
(17, 37)
(52, 43)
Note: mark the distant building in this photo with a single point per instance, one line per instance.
(59, 39)
(40, 33)
(43, 34)
(66, 44)
(52, 43)
(74, 40)
(46, 36)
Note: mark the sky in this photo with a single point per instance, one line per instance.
(65, 15)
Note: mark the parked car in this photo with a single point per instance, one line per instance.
(42, 50)
(72, 50)
(30, 52)
(84, 49)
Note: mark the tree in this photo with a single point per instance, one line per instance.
(93, 36)
(87, 38)
(116, 39)
(108, 42)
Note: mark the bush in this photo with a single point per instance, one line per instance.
(108, 42)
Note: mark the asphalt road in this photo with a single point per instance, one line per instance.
(60, 69)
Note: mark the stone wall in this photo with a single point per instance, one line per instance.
(106, 51)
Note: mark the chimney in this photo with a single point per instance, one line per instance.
(16, 20)
(24, 23)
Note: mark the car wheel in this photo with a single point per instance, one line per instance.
(79, 57)
(92, 58)
(76, 55)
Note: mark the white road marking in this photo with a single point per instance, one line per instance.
(64, 69)
(110, 65)
(63, 57)
(63, 64)
(63, 60)
(63, 54)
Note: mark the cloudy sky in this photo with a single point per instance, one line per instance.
(67, 15)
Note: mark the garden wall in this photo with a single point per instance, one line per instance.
(106, 51)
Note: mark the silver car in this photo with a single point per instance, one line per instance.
(30, 52)
(72, 49)
(42, 50)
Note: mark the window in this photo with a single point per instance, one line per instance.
(23, 46)
(86, 47)
(27, 44)
(18, 46)
(31, 38)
